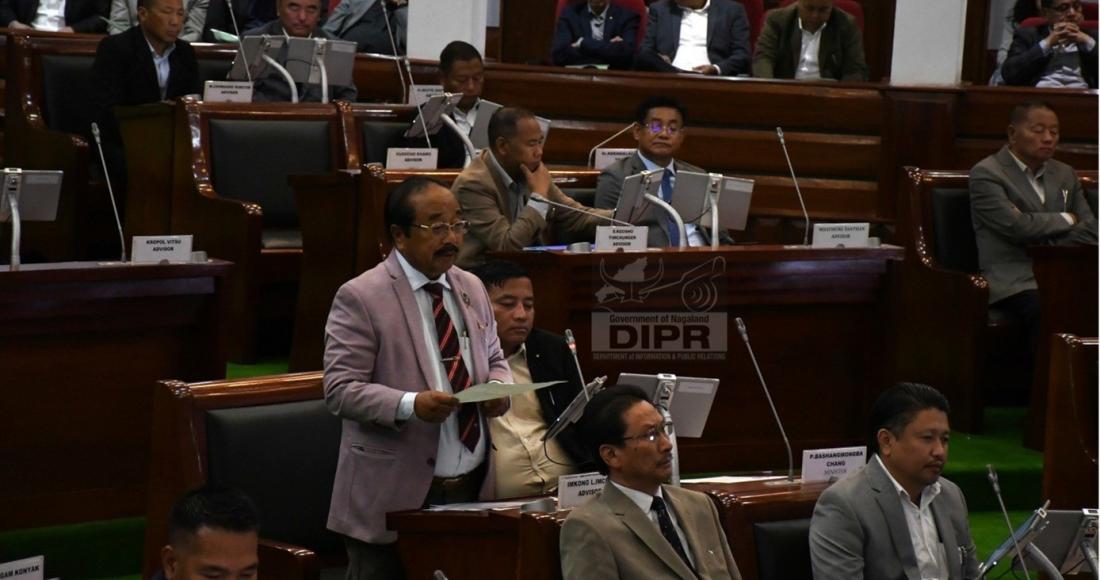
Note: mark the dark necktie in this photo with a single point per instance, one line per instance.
(668, 530)
(666, 194)
(469, 428)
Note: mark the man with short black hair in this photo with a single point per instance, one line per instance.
(1057, 54)
(401, 340)
(896, 517)
(810, 40)
(638, 527)
(496, 192)
(709, 37)
(212, 533)
(659, 128)
(525, 465)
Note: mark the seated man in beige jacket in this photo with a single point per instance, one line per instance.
(497, 192)
(638, 527)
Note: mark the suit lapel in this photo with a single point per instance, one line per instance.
(1052, 186)
(146, 69)
(1027, 194)
(692, 533)
(794, 43)
(825, 51)
(947, 536)
(644, 528)
(887, 498)
(677, 17)
(411, 311)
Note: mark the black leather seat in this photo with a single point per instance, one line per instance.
(952, 230)
(783, 549)
(63, 76)
(378, 136)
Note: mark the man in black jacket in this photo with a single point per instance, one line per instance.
(1056, 54)
(145, 64)
(523, 465)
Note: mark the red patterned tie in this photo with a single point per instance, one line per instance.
(469, 428)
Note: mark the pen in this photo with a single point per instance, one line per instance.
(1065, 198)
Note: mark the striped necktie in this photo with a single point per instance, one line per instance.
(469, 428)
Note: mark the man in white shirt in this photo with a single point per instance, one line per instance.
(709, 37)
(54, 15)
(1057, 54)
(810, 40)
(638, 527)
(896, 517)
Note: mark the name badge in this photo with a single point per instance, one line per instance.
(421, 93)
(25, 569)
(841, 235)
(160, 248)
(831, 464)
(411, 158)
(576, 489)
(227, 92)
(605, 156)
(626, 238)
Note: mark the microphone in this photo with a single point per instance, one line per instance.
(801, 201)
(110, 190)
(992, 475)
(572, 344)
(790, 457)
(240, 42)
(397, 57)
(439, 575)
(539, 198)
(592, 152)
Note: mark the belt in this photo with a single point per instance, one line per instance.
(453, 483)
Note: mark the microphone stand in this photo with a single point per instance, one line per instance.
(572, 344)
(110, 190)
(592, 152)
(759, 375)
(397, 57)
(801, 202)
(471, 150)
(13, 182)
(672, 213)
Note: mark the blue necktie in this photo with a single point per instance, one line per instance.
(666, 194)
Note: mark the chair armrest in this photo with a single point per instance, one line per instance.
(279, 561)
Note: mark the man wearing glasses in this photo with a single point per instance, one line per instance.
(1056, 54)
(638, 527)
(659, 130)
(498, 191)
(401, 341)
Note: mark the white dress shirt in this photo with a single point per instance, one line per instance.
(645, 503)
(808, 66)
(692, 51)
(164, 69)
(50, 15)
(931, 557)
(452, 458)
(694, 236)
(1037, 186)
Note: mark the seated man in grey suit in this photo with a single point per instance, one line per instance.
(639, 528)
(659, 130)
(1020, 197)
(896, 517)
(709, 37)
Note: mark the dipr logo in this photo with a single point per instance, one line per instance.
(646, 313)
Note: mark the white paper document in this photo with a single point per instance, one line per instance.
(478, 506)
(490, 391)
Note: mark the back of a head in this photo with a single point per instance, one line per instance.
(505, 122)
(455, 51)
(214, 507)
(897, 406)
(602, 422)
(496, 273)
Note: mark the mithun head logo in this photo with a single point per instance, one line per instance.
(631, 285)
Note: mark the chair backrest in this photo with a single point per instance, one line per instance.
(754, 9)
(952, 231)
(213, 69)
(636, 6)
(783, 549)
(63, 76)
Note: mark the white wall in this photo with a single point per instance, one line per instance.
(928, 42)
(434, 23)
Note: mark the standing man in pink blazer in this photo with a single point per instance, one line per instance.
(401, 340)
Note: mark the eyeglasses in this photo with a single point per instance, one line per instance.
(657, 127)
(440, 230)
(1063, 8)
(651, 435)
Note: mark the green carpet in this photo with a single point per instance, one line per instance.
(102, 549)
(1019, 470)
(260, 369)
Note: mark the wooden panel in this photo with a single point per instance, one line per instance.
(1069, 452)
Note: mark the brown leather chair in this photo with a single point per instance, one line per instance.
(271, 437)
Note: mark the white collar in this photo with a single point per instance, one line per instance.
(651, 166)
(167, 51)
(804, 31)
(600, 15)
(927, 494)
(643, 500)
(1027, 170)
(416, 278)
(700, 11)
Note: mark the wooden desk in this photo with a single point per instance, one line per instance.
(1067, 278)
(524, 546)
(816, 318)
(83, 346)
(1069, 454)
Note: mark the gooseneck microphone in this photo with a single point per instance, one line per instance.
(110, 190)
(397, 57)
(992, 475)
(572, 344)
(801, 201)
(592, 152)
(790, 456)
(542, 199)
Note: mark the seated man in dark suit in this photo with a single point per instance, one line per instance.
(62, 16)
(145, 64)
(297, 18)
(212, 533)
(369, 23)
(595, 32)
(1021, 196)
(659, 130)
(710, 37)
(1057, 54)
(809, 40)
(895, 517)
(523, 467)
(638, 527)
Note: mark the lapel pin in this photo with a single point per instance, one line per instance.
(466, 298)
